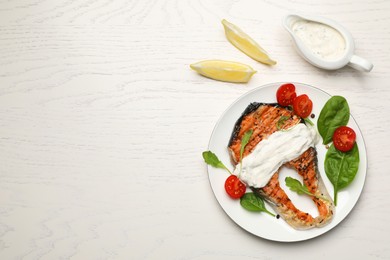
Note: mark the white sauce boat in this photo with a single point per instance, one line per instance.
(346, 58)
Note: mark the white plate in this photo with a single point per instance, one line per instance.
(262, 224)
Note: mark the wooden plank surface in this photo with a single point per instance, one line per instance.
(102, 125)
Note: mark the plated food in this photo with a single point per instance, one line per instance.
(280, 138)
(265, 139)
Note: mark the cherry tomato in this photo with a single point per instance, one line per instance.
(234, 187)
(285, 94)
(303, 106)
(344, 138)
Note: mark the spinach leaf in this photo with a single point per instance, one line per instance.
(341, 167)
(334, 114)
(252, 202)
(298, 187)
(211, 159)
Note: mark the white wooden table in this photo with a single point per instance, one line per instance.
(102, 125)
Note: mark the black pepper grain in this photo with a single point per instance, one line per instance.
(312, 115)
(278, 216)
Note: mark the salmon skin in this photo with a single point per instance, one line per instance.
(265, 119)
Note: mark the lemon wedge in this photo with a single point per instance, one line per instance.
(246, 44)
(228, 71)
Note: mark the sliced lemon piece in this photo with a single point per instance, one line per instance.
(229, 71)
(246, 44)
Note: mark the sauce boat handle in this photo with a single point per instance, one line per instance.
(360, 63)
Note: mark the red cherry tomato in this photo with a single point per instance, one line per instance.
(285, 94)
(344, 138)
(303, 106)
(234, 187)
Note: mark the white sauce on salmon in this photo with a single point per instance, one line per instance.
(322, 40)
(270, 154)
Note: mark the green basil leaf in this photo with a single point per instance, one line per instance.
(252, 202)
(211, 159)
(341, 167)
(334, 114)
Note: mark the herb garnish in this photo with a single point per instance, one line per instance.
(250, 201)
(298, 187)
(334, 114)
(211, 159)
(244, 142)
(281, 122)
(341, 167)
(308, 121)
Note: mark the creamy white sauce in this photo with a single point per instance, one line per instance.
(270, 154)
(322, 40)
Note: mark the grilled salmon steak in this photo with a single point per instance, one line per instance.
(265, 120)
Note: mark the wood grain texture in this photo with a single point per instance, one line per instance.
(102, 125)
